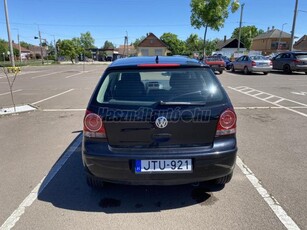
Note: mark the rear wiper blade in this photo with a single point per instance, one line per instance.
(181, 103)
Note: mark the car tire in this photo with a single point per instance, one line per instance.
(287, 69)
(223, 180)
(233, 69)
(305, 72)
(94, 182)
(245, 70)
(265, 73)
(221, 71)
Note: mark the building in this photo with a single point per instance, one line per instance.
(152, 46)
(127, 51)
(36, 51)
(301, 44)
(267, 42)
(228, 47)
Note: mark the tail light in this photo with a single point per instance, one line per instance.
(227, 123)
(296, 61)
(254, 63)
(93, 125)
(270, 63)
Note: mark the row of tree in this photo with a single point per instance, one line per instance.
(196, 44)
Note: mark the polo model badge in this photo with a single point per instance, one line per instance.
(161, 122)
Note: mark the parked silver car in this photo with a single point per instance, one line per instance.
(291, 61)
(251, 64)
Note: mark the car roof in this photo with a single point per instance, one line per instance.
(294, 52)
(155, 60)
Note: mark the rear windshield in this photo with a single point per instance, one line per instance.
(301, 56)
(255, 58)
(168, 85)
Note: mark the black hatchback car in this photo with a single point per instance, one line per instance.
(159, 121)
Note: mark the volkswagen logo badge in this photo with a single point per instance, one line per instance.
(161, 122)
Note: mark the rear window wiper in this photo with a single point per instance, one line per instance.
(181, 103)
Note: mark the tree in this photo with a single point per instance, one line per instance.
(86, 41)
(3, 48)
(68, 48)
(211, 13)
(194, 44)
(211, 46)
(175, 45)
(247, 34)
(25, 45)
(108, 45)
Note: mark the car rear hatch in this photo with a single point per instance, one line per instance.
(178, 107)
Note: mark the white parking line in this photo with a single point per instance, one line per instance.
(79, 73)
(28, 201)
(63, 110)
(268, 198)
(280, 99)
(15, 91)
(48, 74)
(34, 103)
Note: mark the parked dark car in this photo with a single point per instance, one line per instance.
(252, 64)
(159, 121)
(290, 61)
(228, 63)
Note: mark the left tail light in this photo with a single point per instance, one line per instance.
(93, 125)
(254, 63)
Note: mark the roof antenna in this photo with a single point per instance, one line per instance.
(157, 59)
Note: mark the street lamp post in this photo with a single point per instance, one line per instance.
(9, 34)
(282, 29)
(241, 16)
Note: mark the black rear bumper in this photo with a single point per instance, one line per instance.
(118, 166)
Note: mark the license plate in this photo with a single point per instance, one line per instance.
(149, 166)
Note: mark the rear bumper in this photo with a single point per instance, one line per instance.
(118, 166)
(261, 69)
(300, 68)
(217, 68)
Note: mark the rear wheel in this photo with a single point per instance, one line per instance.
(223, 180)
(233, 69)
(221, 71)
(265, 73)
(305, 72)
(246, 70)
(287, 69)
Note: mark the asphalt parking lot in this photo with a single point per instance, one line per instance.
(42, 185)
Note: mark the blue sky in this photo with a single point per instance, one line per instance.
(112, 19)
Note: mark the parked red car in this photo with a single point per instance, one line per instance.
(216, 63)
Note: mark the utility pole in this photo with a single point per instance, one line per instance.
(241, 16)
(293, 25)
(40, 44)
(55, 50)
(126, 45)
(9, 34)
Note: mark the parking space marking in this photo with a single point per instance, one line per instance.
(59, 94)
(28, 201)
(243, 89)
(63, 110)
(48, 74)
(15, 91)
(268, 198)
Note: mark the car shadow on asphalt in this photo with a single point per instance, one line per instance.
(68, 190)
